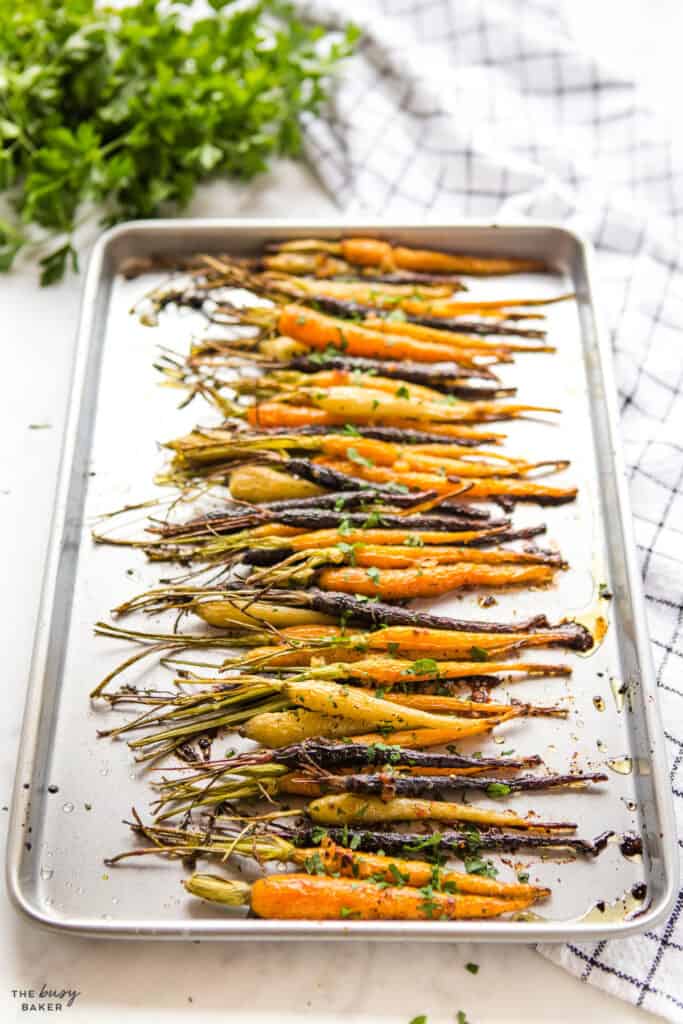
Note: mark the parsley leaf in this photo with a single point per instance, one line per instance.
(354, 456)
(477, 866)
(119, 112)
(498, 789)
(479, 654)
(422, 667)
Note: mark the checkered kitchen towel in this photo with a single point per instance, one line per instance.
(483, 108)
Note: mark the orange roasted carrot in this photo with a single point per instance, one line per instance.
(418, 642)
(450, 430)
(371, 252)
(386, 672)
(480, 488)
(282, 414)
(497, 349)
(405, 584)
(420, 738)
(366, 555)
(447, 704)
(356, 864)
(318, 331)
(468, 465)
(386, 452)
(319, 898)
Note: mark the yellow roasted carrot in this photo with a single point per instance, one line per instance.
(280, 728)
(349, 809)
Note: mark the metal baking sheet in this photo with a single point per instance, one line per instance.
(73, 790)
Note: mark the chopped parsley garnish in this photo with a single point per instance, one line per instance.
(472, 968)
(422, 667)
(498, 789)
(429, 905)
(354, 456)
(314, 864)
(345, 526)
(479, 654)
(399, 877)
(374, 519)
(478, 866)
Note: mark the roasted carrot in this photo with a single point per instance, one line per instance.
(280, 728)
(439, 704)
(396, 585)
(322, 265)
(422, 738)
(382, 671)
(257, 483)
(348, 809)
(318, 331)
(389, 537)
(417, 642)
(373, 252)
(318, 898)
(397, 557)
(251, 613)
(366, 292)
(355, 864)
(519, 490)
(498, 350)
(449, 308)
(354, 704)
(467, 465)
(369, 405)
(390, 671)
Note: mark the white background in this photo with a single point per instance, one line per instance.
(373, 984)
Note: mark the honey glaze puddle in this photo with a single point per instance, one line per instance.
(626, 907)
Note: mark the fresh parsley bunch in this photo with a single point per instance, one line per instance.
(126, 110)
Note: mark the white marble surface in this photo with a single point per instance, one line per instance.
(146, 981)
